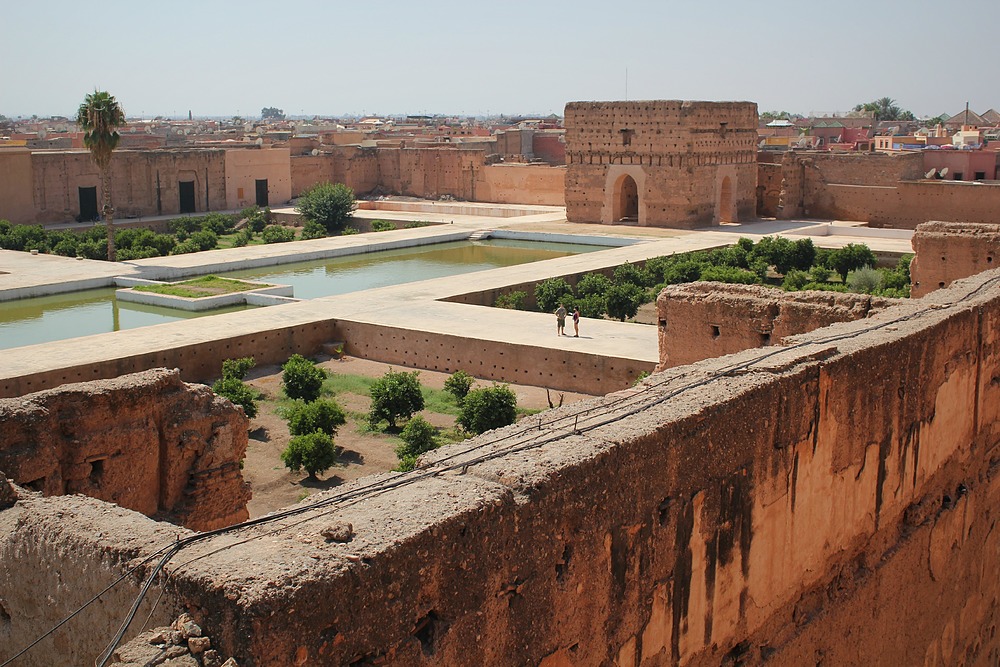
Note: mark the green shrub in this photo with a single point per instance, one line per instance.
(218, 223)
(186, 226)
(458, 385)
(256, 218)
(395, 395)
(851, 257)
(239, 393)
(488, 408)
(865, 280)
(313, 452)
(623, 301)
(511, 301)
(242, 238)
(418, 437)
(319, 415)
(775, 251)
(184, 248)
(277, 234)
(736, 256)
(237, 368)
(348, 231)
(91, 249)
(142, 252)
(592, 305)
(550, 293)
(633, 274)
(25, 237)
(593, 283)
(683, 271)
(803, 254)
(204, 239)
(313, 230)
(329, 204)
(301, 378)
(795, 280)
(819, 273)
(382, 226)
(66, 247)
(729, 274)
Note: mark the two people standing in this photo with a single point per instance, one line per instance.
(561, 321)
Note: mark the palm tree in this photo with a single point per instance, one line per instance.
(100, 116)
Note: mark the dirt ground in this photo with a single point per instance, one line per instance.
(363, 453)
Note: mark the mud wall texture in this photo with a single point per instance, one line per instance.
(702, 320)
(829, 502)
(563, 370)
(663, 163)
(947, 251)
(430, 173)
(55, 555)
(146, 441)
(884, 190)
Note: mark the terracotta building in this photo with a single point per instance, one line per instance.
(663, 163)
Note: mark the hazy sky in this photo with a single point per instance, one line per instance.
(327, 57)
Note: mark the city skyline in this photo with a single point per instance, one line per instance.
(450, 58)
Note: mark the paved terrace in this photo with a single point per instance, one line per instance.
(415, 308)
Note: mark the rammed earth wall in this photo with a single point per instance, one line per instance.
(145, 441)
(830, 501)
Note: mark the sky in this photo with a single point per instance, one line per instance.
(336, 58)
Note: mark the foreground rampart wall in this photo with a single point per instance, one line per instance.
(703, 320)
(55, 555)
(146, 441)
(947, 251)
(841, 488)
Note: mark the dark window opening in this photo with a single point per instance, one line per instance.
(627, 136)
(958, 175)
(765, 338)
(980, 176)
(716, 332)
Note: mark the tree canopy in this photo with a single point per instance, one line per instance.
(885, 108)
(100, 116)
(272, 113)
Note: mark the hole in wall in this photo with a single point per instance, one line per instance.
(97, 471)
(716, 331)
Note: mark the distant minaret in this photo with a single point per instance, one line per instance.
(966, 114)
(189, 114)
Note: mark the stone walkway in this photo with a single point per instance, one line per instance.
(413, 306)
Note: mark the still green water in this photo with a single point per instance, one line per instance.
(63, 316)
(341, 275)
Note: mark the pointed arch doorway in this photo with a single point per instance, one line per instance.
(626, 200)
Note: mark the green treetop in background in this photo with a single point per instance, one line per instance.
(99, 117)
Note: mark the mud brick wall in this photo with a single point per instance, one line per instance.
(947, 251)
(147, 442)
(702, 320)
(883, 190)
(843, 487)
(55, 555)
(694, 163)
